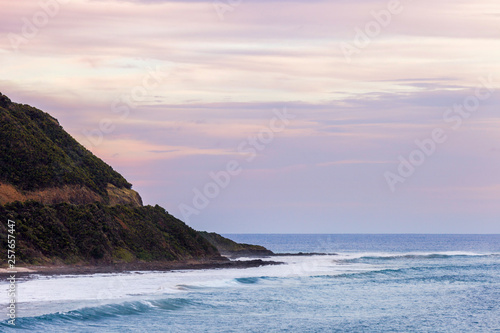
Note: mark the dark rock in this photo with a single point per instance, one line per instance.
(230, 248)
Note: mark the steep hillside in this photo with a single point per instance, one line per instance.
(95, 233)
(70, 207)
(38, 159)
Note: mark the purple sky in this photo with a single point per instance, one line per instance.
(170, 92)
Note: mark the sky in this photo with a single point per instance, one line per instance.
(253, 116)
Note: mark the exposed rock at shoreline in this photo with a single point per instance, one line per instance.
(303, 254)
(230, 248)
(136, 267)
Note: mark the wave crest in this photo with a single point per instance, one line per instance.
(417, 256)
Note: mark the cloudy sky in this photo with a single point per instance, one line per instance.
(332, 116)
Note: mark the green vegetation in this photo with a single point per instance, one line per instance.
(231, 248)
(37, 153)
(95, 233)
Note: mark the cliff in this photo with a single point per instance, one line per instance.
(70, 207)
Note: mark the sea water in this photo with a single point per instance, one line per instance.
(363, 283)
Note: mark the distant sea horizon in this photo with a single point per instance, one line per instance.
(327, 243)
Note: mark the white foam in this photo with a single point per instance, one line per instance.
(114, 287)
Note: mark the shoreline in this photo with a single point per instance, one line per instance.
(25, 271)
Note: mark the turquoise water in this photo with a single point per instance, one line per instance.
(374, 283)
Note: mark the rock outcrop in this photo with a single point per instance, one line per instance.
(230, 248)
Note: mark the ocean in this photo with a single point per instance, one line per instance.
(364, 283)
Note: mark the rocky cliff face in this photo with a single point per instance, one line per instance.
(74, 194)
(123, 196)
